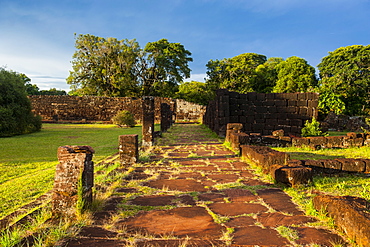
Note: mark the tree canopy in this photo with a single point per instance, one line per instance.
(16, 116)
(295, 75)
(111, 67)
(236, 74)
(195, 91)
(345, 79)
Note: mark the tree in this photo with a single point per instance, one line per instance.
(164, 65)
(53, 91)
(194, 91)
(345, 76)
(236, 74)
(295, 75)
(267, 75)
(16, 116)
(109, 67)
(103, 67)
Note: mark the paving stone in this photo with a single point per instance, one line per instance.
(192, 163)
(241, 221)
(257, 236)
(240, 195)
(279, 219)
(223, 178)
(236, 208)
(96, 232)
(216, 197)
(185, 185)
(309, 235)
(179, 222)
(156, 200)
(279, 201)
(181, 242)
(91, 242)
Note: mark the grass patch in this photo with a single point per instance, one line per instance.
(27, 162)
(305, 153)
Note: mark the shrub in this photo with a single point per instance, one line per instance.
(312, 128)
(16, 116)
(124, 118)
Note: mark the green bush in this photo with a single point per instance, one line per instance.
(16, 117)
(124, 118)
(312, 128)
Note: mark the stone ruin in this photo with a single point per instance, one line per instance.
(74, 177)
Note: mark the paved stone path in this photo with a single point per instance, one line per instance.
(195, 192)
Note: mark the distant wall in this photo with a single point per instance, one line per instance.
(260, 112)
(94, 108)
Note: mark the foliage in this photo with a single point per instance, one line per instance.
(194, 91)
(111, 67)
(295, 75)
(162, 67)
(345, 74)
(267, 75)
(330, 101)
(312, 128)
(236, 74)
(16, 116)
(124, 118)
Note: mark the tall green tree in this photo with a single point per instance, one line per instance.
(161, 67)
(295, 75)
(103, 66)
(236, 74)
(111, 67)
(267, 75)
(16, 116)
(345, 77)
(194, 91)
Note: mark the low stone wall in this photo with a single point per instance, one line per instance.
(338, 165)
(277, 164)
(350, 140)
(102, 109)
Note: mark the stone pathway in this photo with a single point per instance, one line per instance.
(195, 192)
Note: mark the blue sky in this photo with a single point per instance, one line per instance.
(37, 36)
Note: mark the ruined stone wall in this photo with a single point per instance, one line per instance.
(93, 108)
(260, 112)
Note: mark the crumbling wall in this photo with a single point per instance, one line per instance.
(260, 112)
(95, 109)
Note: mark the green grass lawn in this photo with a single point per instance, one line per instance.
(27, 162)
(306, 153)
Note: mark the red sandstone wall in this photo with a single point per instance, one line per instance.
(93, 108)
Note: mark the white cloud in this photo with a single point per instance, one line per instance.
(197, 77)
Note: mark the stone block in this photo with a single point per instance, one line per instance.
(333, 165)
(73, 182)
(351, 214)
(317, 142)
(128, 149)
(334, 141)
(352, 165)
(294, 176)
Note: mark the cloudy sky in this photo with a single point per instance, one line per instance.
(37, 36)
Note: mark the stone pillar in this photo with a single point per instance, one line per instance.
(73, 182)
(128, 149)
(148, 121)
(166, 117)
(232, 128)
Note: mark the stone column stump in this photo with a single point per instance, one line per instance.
(166, 117)
(148, 122)
(73, 182)
(128, 149)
